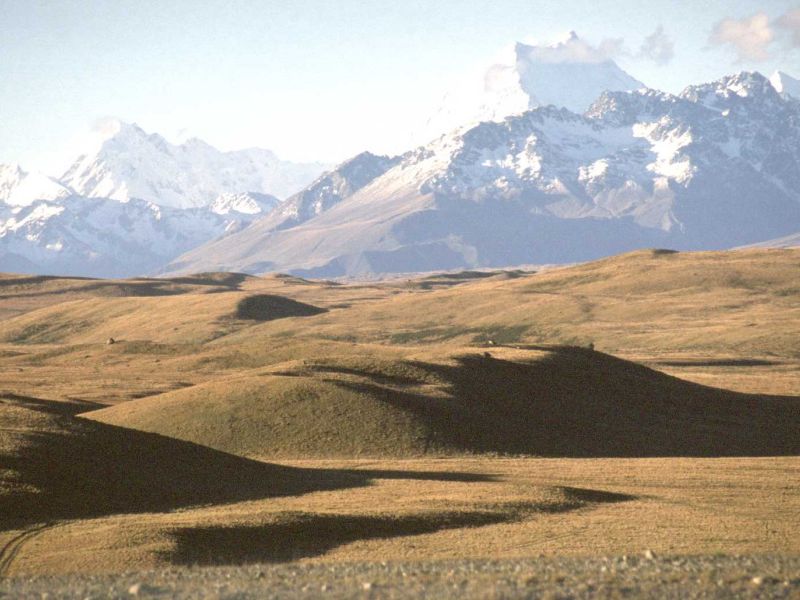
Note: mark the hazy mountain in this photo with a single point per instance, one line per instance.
(714, 167)
(568, 74)
(134, 203)
(129, 163)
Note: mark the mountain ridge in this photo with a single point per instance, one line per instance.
(710, 168)
(131, 163)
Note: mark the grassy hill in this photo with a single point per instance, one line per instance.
(150, 451)
(556, 401)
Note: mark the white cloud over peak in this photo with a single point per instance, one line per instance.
(573, 49)
(750, 36)
(658, 47)
(754, 38)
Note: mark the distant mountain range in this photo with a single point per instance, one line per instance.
(133, 202)
(714, 167)
(556, 159)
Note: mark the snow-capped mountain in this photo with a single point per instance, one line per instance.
(568, 74)
(134, 203)
(126, 162)
(106, 238)
(714, 167)
(785, 85)
(20, 188)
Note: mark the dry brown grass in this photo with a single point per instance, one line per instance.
(382, 369)
(542, 401)
(508, 508)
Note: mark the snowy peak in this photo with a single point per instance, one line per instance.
(126, 162)
(786, 85)
(732, 90)
(569, 73)
(11, 175)
(21, 188)
(248, 203)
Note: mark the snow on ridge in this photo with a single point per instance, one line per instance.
(124, 162)
(21, 188)
(786, 85)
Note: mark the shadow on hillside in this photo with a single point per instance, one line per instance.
(580, 403)
(304, 535)
(268, 307)
(54, 466)
(31, 280)
(175, 286)
(229, 280)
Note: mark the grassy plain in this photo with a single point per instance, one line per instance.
(238, 419)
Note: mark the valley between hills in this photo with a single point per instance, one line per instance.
(646, 405)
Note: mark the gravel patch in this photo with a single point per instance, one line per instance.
(647, 575)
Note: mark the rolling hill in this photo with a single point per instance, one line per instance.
(559, 401)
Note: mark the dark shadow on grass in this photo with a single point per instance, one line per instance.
(36, 279)
(71, 407)
(57, 466)
(226, 279)
(390, 379)
(306, 535)
(268, 307)
(138, 287)
(577, 402)
(596, 496)
(303, 535)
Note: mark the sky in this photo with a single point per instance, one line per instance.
(326, 79)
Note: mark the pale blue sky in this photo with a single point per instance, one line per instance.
(310, 79)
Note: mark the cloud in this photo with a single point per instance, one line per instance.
(790, 23)
(750, 36)
(658, 47)
(574, 49)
